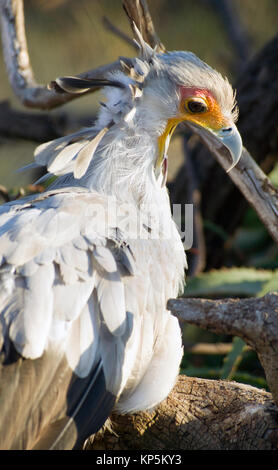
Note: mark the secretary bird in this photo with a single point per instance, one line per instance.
(87, 266)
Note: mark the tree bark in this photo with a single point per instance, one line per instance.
(198, 415)
(255, 320)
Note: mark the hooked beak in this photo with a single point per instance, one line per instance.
(225, 138)
(231, 138)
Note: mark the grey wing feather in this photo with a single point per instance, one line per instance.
(86, 154)
(58, 155)
(62, 292)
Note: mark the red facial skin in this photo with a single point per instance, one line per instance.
(212, 118)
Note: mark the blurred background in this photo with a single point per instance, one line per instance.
(66, 37)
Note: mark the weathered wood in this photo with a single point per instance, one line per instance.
(198, 415)
(255, 320)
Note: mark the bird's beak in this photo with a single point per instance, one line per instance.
(227, 136)
(231, 138)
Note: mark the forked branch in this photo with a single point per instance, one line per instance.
(255, 320)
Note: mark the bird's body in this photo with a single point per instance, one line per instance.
(86, 299)
(88, 266)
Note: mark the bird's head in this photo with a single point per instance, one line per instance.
(157, 92)
(180, 88)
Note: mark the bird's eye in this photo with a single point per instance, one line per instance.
(196, 106)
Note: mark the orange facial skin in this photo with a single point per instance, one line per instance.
(212, 118)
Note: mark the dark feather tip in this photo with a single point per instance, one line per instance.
(54, 86)
(81, 85)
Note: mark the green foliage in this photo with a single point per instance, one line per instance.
(232, 359)
(233, 282)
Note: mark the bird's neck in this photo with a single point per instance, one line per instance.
(124, 166)
(123, 169)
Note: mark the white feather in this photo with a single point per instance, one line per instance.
(29, 330)
(65, 157)
(105, 259)
(83, 341)
(86, 154)
(47, 152)
(111, 298)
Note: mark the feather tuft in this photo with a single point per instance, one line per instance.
(81, 85)
(86, 154)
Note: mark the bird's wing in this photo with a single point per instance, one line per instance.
(63, 318)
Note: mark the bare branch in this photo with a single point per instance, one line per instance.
(198, 414)
(39, 127)
(250, 180)
(209, 348)
(254, 320)
(18, 63)
(138, 13)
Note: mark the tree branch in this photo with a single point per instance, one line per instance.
(19, 67)
(250, 180)
(255, 320)
(39, 127)
(198, 415)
